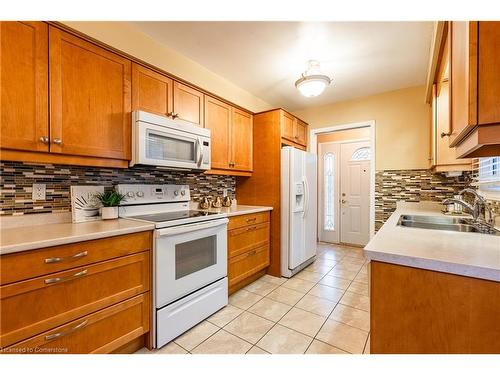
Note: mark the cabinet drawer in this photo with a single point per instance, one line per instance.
(36, 305)
(245, 265)
(244, 239)
(29, 264)
(250, 219)
(101, 332)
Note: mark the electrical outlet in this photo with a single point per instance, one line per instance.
(38, 193)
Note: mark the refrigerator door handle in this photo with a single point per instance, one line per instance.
(306, 196)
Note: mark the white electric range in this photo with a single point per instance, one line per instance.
(189, 257)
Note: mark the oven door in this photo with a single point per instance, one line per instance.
(188, 258)
(168, 147)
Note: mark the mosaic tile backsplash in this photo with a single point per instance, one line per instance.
(16, 180)
(412, 186)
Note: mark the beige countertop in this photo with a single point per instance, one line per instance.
(239, 209)
(34, 235)
(468, 254)
(27, 232)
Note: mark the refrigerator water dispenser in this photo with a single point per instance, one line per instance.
(299, 197)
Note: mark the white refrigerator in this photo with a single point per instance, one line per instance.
(298, 210)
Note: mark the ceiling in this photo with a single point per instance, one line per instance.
(266, 58)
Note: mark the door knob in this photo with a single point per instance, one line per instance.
(45, 140)
(57, 141)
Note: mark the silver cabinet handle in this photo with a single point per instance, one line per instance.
(62, 279)
(58, 259)
(58, 141)
(45, 140)
(61, 334)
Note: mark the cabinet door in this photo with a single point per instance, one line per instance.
(89, 99)
(445, 155)
(24, 85)
(301, 132)
(242, 140)
(489, 73)
(287, 125)
(218, 120)
(463, 68)
(151, 91)
(188, 104)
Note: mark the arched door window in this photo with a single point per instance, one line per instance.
(363, 153)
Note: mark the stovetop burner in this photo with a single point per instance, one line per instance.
(174, 215)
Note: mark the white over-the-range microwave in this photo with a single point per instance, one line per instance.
(162, 141)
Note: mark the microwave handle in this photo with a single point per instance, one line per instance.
(199, 153)
(191, 227)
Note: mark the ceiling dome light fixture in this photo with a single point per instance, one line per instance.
(312, 83)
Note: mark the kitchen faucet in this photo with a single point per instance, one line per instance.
(477, 209)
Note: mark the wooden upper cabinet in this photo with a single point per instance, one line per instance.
(151, 91)
(242, 140)
(188, 104)
(231, 137)
(463, 68)
(287, 126)
(90, 99)
(488, 73)
(301, 132)
(293, 130)
(218, 120)
(24, 86)
(475, 88)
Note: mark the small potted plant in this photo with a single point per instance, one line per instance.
(110, 201)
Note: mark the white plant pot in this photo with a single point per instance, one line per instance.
(109, 213)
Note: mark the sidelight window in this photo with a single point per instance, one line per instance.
(328, 165)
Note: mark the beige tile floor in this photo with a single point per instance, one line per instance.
(322, 310)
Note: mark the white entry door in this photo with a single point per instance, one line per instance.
(355, 192)
(328, 192)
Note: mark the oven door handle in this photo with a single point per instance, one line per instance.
(191, 227)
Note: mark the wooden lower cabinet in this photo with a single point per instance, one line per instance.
(245, 265)
(101, 332)
(113, 272)
(248, 248)
(416, 311)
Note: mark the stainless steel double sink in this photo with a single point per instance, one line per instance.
(456, 224)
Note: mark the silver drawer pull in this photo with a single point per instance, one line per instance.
(251, 229)
(61, 334)
(252, 219)
(61, 279)
(58, 259)
(53, 260)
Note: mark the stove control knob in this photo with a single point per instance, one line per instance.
(176, 192)
(130, 194)
(183, 192)
(140, 194)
